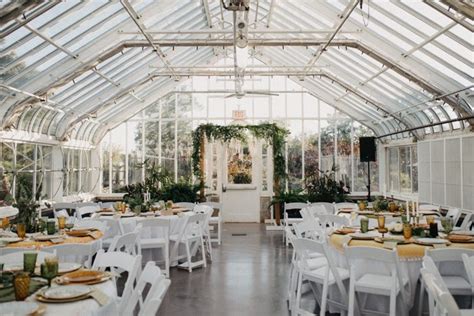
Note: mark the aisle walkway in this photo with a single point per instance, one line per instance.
(247, 277)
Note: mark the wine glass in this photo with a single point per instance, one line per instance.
(447, 224)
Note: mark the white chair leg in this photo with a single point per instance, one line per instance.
(351, 297)
(203, 249)
(188, 255)
(296, 308)
(167, 260)
(219, 232)
(324, 298)
(420, 298)
(393, 302)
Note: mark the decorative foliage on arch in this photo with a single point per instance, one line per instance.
(271, 132)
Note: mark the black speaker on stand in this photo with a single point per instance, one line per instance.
(368, 153)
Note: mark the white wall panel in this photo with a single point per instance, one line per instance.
(437, 172)
(453, 171)
(468, 172)
(446, 172)
(424, 179)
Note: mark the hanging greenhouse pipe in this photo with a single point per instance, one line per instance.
(428, 125)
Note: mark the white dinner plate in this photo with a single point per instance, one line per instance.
(18, 308)
(367, 236)
(14, 266)
(463, 232)
(65, 267)
(66, 292)
(431, 241)
(10, 239)
(46, 237)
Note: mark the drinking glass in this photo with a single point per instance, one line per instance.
(21, 285)
(447, 224)
(407, 232)
(61, 222)
(429, 220)
(51, 227)
(21, 230)
(49, 269)
(364, 224)
(29, 262)
(381, 221)
(5, 223)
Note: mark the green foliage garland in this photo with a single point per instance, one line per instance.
(271, 132)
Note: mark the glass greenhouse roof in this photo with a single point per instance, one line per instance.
(76, 69)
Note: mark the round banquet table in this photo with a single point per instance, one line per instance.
(411, 256)
(30, 243)
(84, 307)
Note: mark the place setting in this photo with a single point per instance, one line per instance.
(49, 282)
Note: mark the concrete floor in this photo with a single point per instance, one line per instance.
(248, 276)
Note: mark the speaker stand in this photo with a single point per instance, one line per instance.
(368, 185)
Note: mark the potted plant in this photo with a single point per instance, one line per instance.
(27, 213)
(292, 196)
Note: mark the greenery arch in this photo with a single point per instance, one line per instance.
(271, 132)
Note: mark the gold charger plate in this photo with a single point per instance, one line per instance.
(43, 299)
(87, 277)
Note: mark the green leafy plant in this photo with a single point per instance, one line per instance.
(242, 178)
(27, 213)
(181, 192)
(322, 186)
(271, 132)
(380, 204)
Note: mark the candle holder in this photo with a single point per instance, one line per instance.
(21, 285)
(5, 223)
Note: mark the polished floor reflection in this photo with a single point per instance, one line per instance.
(248, 276)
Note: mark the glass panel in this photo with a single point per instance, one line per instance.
(295, 163)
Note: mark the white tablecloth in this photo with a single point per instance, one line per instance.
(84, 307)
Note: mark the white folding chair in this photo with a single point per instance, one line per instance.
(118, 262)
(61, 209)
(155, 280)
(81, 212)
(192, 238)
(187, 205)
(327, 274)
(469, 266)
(309, 228)
(215, 220)
(328, 207)
(442, 303)
(427, 209)
(151, 306)
(287, 221)
(129, 243)
(207, 210)
(449, 263)
(91, 223)
(114, 228)
(344, 206)
(386, 280)
(109, 205)
(78, 253)
(332, 222)
(155, 234)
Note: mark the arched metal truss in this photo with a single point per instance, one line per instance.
(73, 70)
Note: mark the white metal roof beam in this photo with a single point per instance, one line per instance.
(136, 19)
(270, 13)
(250, 31)
(37, 97)
(205, 4)
(27, 18)
(464, 7)
(68, 52)
(344, 16)
(448, 14)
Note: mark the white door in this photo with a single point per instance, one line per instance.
(240, 192)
